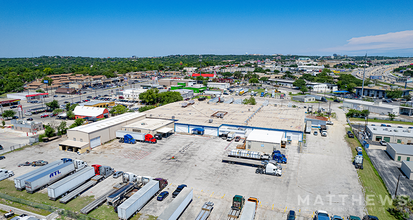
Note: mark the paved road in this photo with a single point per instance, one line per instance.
(20, 211)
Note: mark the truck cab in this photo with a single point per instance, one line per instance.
(79, 164)
(4, 174)
(238, 202)
(129, 177)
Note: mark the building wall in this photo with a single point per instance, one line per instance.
(398, 157)
(304, 99)
(218, 85)
(77, 135)
(262, 146)
(406, 170)
(390, 137)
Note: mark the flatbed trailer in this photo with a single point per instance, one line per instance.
(99, 201)
(81, 189)
(205, 211)
(249, 162)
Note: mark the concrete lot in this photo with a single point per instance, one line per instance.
(9, 137)
(389, 171)
(318, 178)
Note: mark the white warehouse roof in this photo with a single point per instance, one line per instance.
(108, 122)
(88, 111)
(265, 136)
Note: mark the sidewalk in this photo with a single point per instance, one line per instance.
(20, 211)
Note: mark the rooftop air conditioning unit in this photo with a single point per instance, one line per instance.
(210, 120)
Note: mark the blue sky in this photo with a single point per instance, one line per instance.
(158, 28)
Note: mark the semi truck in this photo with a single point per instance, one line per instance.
(104, 171)
(177, 206)
(119, 195)
(236, 208)
(136, 202)
(50, 176)
(250, 208)
(358, 162)
(249, 154)
(4, 174)
(70, 183)
(271, 168)
(142, 137)
(205, 211)
(242, 161)
(19, 182)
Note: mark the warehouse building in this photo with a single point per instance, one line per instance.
(390, 135)
(374, 107)
(151, 126)
(304, 98)
(264, 141)
(400, 152)
(316, 121)
(90, 112)
(100, 132)
(27, 126)
(185, 93)
(218, 85)
(407, 169)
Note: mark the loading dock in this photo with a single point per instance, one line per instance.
(74, 146)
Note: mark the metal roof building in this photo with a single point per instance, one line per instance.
(400, 152)
(374, 107)
(103, 131)
(390, 134)
(151, 126)
(407, 168)
(85, 111)
(264, 140)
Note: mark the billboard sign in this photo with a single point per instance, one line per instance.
(409, 80)
(376, 77)
(46, 81)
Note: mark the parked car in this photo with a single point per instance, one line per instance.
(383, 125)
(2, 157)
(62, 96)
(25, 164)
(29, 119)
(162, 195)
(373, 125)
(158, 136)
(352, 217)
(1, 147)
(321, 215)
(383, 143)
(237, 138)
(336, 217)
(349, 134)
(13, 106)
(399, 126)
(28, 113)
(336, 100)
(410, 127)
(388, 126)
(291, 215)
(329, 123)
(44, 115)
(117, 174)
(66, 102)
(178, 190)
(9, 214)
(370, 217)
(55, 96)
(315, 133)
(201, 99)
(39, 163)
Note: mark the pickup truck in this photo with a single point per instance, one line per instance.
(178, 190)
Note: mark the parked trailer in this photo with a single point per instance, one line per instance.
(48, 177)
(235, 160)
(19, 182)
(205, 211)
(116, 198)
(81, 189)
(248, 212)
(142, 137)
(136, 202)
(177, 206)
(99, 201)
(70, 183)
(249, 155)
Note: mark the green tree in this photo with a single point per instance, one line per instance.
(57, 111)
(67, 107)
(150, 96)
(53, 104)
(391, 116)
(310, 88)
(249, 101)
(70, 114)
(78, 122)
(300, 83)
(264, 79)
(62, 129)
(8, 113)
(394, 93)
(226, 74)
(351, 86)
(276, 71)
(40, 90)
(258, 70)
(3, 123)
(146, 108)
(205, 82)
(118, 110)
(253, 80)
(199, 78)
(48, 70)
(72, 107)
(304, 89)
(49, 131)
(237, 75)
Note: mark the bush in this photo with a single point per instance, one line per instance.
(41, 137)
(146, 108)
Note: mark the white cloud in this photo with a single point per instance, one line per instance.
(382, 42)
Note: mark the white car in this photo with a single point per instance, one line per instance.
(28, 113)
(330, 123)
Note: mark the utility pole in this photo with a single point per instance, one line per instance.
(364, 74)
(397, 186)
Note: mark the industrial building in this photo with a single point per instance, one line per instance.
(390, 134)
(264, 141)
(304, 98)
(174, 82)
(100, 132)
(65, 91)
(374, 107)
(407, 169)
(378, 91)
(218, 118)
(218, 85)
(27, 126)
(400, 152)
(131, 93)
(185, 93)
(90, 112)
(151, 126)
(316, 121)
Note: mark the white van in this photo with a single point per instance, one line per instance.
(4, 174)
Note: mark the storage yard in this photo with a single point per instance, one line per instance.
(196, 161)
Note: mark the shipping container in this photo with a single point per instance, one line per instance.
(70, 183)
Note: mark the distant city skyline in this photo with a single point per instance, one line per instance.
(148, 29)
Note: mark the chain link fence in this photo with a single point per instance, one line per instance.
(29, 203)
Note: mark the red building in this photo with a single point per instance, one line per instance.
(209, 75)
(90, 112)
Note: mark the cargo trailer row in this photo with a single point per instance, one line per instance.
(205, 211)
(19, 182)
(249, 155)
(48, 177)
(177, 206)
(99, 201)
(136, 202)
(81, 189)
(70, 183)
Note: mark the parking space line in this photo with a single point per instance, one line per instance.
(272, 207)
(211, 194)
(222, 196)
(285, 209)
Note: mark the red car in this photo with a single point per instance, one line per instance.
(44, 116)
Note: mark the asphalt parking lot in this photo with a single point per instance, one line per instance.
(389, 171)
(314, 179)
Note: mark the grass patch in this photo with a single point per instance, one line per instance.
(105, 212)
(382, 121)
(24, 207)
(371, 182)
